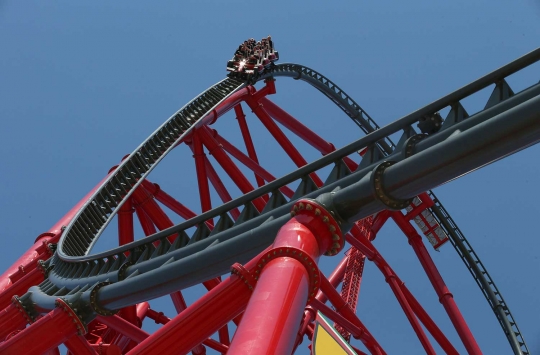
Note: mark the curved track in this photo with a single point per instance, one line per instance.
(142, 270)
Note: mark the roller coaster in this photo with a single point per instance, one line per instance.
(269, 239)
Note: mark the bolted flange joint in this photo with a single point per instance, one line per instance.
(411, 143)
(377, 182)
(294, 253)
(73, 314)
(94, 303)
(25, 307)
(121, 274)
(45, 267)
(244, 275)
(316, 210)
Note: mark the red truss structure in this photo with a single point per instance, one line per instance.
(271, 236)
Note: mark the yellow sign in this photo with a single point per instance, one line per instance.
(327, 340)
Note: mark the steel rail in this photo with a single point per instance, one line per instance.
(62, 273)
(120, 182)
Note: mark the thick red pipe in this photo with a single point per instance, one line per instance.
(78, 345)
(11, 319)
(228, 165)
(126, 233)
(241, 117)
(343, 308)
(272, 318)
(202, 179)
(302, 131)
(20, 287)
(250, 163)
(168, 200)
(47, 333)
(220, 187)
(428, 322)
(217, 307)
(124, 327)
(145, 221)
(445, 297)
(280, 137)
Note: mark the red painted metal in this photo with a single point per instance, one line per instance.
(78, 345)
(123, 327)
(279, 136)
(20, 287)
(219, 186)
(125, 223)
(168, 200)
(343, 308)
(228, 165)
(145, 221)
(241, 117)
(302, 131)
(11, 320)
(272, 317)
(220, 305)
(248, 162)
(202, 179)
(52, 329)
(445, 297)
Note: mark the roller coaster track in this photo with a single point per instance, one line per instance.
(141, 270)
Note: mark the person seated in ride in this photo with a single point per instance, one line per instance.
(270, 43)
(252, 60)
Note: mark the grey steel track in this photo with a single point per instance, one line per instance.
(75, 272)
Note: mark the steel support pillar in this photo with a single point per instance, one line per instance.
(286, 282)
(52, 329)
(445, 297)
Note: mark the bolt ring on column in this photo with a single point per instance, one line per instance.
(314, 209)
(66, 307)
(377, 182)
(94, 303)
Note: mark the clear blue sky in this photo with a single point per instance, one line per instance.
(83, 83)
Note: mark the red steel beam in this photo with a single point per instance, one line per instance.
(78, 345)
(274, 312)
(241, 118)
(223, 303)
(11, 319)
(219, 186)
(126, 233)
(202, 179)
(302, 131)
(279, 136)
(20, 287)
(48, 332)
(228, 165)
(250, 163)
(445, 297)
(343, 308)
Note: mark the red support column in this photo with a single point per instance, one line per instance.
(228, 165)
(124, 327)
(20, 287)
(302, 131)
(445, 297)
(78, 345)
(202, 179)
(241, 117)
(280, 137)
(47, 332)
(226, 301)
(248, 162)
(219, 186)
(11, 319)
(288, 279)
(125, 223)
